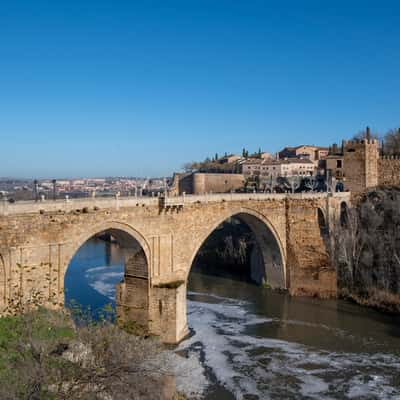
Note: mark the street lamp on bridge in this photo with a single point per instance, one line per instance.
(35, 189)
(54, 182)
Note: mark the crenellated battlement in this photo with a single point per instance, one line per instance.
(360, 141)
(389, 170)
(390, 157)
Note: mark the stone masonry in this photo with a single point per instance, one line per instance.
(361, 164)
(162, 238)
(389, 171)
(364, 168)
(201, 183)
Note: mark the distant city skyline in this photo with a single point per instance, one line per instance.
(92, 89)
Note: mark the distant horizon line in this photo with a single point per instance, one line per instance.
(3, 178)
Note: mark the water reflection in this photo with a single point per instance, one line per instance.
(93, 273)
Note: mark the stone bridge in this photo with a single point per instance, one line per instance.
(161, 238)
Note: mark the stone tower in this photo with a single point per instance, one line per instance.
(361, 163)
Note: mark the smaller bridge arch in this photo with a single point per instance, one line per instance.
(123, 232)
(132, 293)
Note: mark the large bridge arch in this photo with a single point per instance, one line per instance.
(267, 238)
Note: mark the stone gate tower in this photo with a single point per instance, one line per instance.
(361, 163)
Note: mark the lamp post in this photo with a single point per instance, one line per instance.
(327, 181)
(35, 189)
(165, 184)
(54, 181)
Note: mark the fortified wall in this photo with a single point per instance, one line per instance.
(201, 183)
(364, 167)
(389, 170)
(360, 164)
(216, 183)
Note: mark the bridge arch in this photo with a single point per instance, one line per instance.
(122, 230)
(267, 238)
(132, 293)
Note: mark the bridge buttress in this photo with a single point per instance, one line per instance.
(309, 268)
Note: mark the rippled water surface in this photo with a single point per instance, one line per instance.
(252, 343)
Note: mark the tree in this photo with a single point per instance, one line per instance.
(47, 357)
(365, 134)
(189, 167)
(391, 142)
(292, 183)
(366, 248)
(312, 183)
(270, 184)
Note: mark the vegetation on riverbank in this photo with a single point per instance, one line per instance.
(45, 355)
(227, 251)
(366, 250)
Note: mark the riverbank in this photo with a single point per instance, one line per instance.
(379, 300)
(44, 355)
(365, 248)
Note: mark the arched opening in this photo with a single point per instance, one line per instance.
(343, 213)
(224, 299)
(243, 247)
(323, 226)
(109, 268)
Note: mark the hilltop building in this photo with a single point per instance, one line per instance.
(279, 168)
(358, 164)
(229, 159)
(313, 153)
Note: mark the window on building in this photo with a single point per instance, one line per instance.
(338, 163)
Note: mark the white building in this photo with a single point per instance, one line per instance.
(279, 168)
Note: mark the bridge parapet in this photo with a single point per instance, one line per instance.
(82, 204)
(26, 207)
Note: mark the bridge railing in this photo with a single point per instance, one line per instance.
(86, 204)
(23, 207)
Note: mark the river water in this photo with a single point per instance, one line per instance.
(248, 342)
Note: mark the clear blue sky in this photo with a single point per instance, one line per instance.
(93, 88)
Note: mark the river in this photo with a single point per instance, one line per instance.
(248, 342)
